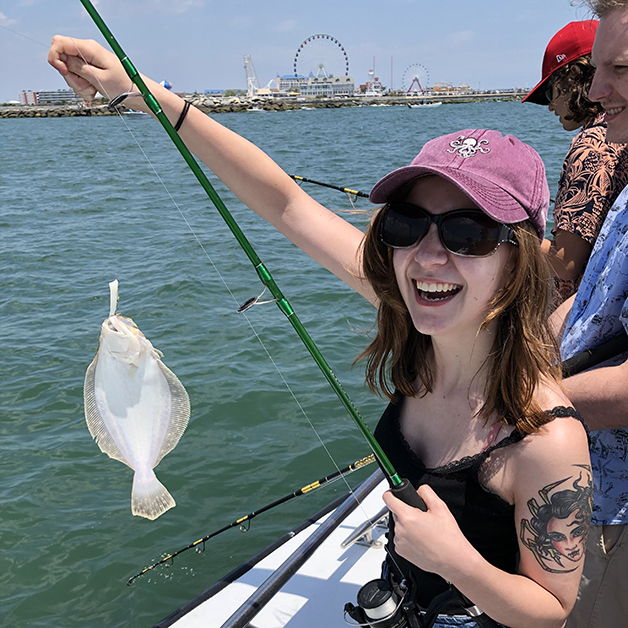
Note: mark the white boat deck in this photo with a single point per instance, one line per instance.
(315, 596)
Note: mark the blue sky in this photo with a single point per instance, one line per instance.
(200, 44)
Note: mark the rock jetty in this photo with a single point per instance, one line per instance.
(207, 105)
(239, 103)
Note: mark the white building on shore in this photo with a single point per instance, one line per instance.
(290, 82)
(42, 97)
(328, 86)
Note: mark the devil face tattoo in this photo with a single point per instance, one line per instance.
(556, 533)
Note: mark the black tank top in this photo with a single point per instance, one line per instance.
(486, 520)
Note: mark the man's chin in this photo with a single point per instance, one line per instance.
(617, 134)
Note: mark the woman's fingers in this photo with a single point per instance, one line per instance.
(431, 499)
(87, 67)
(399, 508)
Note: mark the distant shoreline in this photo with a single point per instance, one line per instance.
(240, 104)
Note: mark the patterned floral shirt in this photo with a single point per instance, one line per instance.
(599, 313)
(593, 175)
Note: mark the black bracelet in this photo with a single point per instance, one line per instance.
(184, 113)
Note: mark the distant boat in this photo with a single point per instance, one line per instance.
(421, 105)
(256, 108)
(131, 113)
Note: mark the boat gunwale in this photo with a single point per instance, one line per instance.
(345, 503)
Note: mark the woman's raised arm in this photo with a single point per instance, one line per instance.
(246, 170)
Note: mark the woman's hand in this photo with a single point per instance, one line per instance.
(88, 68)
(430, 540)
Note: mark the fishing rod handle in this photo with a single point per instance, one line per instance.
(408, 495)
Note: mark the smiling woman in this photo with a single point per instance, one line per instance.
(468, 382)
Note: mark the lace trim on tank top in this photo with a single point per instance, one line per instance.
(477, 460)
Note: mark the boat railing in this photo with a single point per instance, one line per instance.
(274, 583)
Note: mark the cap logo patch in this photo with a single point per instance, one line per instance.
(560, 58)
(468, 146)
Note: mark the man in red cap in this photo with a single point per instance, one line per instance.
(594, 172)
(600, 313)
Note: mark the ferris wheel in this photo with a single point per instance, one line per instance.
(415, 79)
(321, 55)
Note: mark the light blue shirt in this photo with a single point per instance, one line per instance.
(599, 312)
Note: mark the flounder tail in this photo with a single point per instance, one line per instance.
(149, 497)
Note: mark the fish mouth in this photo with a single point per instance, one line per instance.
(121, 325)
(436, 291)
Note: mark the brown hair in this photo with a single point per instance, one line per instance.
(575, 78)
(602, 8)
(524, 350)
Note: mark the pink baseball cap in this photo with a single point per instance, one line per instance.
(571, 42)
(499, 173)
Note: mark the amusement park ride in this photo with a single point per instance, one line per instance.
(415, 79)
(323, 56)
(252, 84)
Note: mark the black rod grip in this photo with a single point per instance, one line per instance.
(408, 495)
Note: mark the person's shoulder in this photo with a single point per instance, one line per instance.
(593, 138)
(564, 434)
(551, 452)
(589, 142)
(592, 130)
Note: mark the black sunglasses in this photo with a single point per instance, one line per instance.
(549, 90)
(465, 232)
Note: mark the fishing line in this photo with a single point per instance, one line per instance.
(400, 487)
(224, 282)
(25, 36)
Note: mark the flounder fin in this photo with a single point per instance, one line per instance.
(149, 497)
(95, 422)
(179, 412)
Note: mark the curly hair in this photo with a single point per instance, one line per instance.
(523, 352)
(602, 8)
(575, 79)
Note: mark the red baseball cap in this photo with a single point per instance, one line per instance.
(571, 42)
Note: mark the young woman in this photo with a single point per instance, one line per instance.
(594, 172)
(477, 419)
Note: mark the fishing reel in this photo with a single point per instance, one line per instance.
(378, 607)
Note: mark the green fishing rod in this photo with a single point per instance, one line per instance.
(333, 187)
(245, 521)
(401, 487)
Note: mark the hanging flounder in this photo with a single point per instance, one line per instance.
(136, 408)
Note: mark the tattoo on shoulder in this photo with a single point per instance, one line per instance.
(557, 530)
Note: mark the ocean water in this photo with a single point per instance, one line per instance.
(81, 205)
